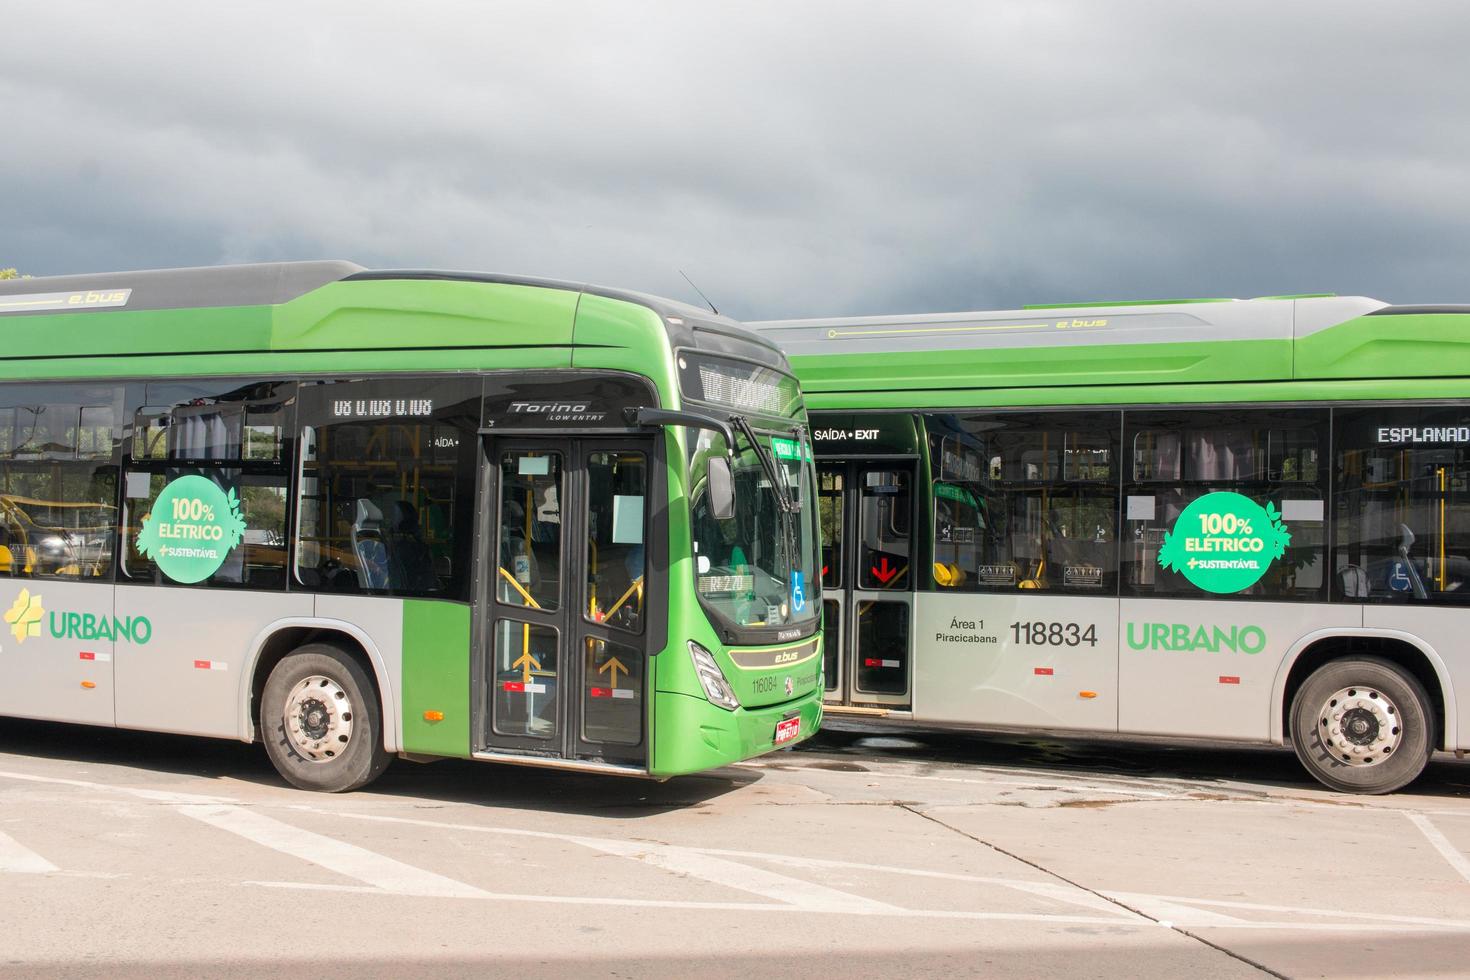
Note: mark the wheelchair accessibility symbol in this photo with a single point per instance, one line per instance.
(1398, 577)
(798, 594)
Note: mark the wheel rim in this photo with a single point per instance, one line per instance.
(1360, 726)
(318, 718)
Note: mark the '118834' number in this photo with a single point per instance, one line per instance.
(1042, 634)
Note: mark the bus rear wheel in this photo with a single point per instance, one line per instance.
(1362, 725)
(321, 723)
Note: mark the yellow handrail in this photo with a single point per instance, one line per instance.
(637, 586)
(519, 588)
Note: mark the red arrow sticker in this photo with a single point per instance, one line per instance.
(882, 572)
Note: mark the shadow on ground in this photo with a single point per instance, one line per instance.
(850, 742)
(449, 780)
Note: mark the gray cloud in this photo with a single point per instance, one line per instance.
(793, 158)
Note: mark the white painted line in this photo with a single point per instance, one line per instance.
(657, 903)
(22, 860)
(1172, 912)
(1068, 894)
(1410, 920)
(1039, 783)
(345, 859)
(781, 888)
(1442, 844)
(146, 794)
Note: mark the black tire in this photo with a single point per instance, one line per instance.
(350, 754)
(1391, 694)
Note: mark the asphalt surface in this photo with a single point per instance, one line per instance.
(867, 852)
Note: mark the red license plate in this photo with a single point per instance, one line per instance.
(787, 730)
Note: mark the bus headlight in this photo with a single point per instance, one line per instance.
(716, 688)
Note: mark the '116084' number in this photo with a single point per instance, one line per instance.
(1040, 634)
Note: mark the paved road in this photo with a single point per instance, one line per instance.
(124, 854)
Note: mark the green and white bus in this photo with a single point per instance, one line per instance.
(357, 515)
(1239, 520)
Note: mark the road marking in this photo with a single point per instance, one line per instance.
(790, 891)
(1039, 783)
(22, 860)
(1442, 844)
(1068, 894)
(146, 794)
(1408, 920)
(384, 876)
(349, 860)
(1173, 912)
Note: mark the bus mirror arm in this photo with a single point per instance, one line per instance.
(654, 417)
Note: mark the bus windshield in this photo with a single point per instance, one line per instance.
(758, 569)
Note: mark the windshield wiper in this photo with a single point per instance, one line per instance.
(768, 465)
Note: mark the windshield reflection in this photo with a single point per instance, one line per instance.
(758, 569)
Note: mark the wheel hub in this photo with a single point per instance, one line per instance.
(1360, 726)
(318, 718)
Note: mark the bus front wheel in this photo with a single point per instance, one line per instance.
(1362, 725)
(321, 723)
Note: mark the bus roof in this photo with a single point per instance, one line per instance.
(1169, 342)
(331, 306)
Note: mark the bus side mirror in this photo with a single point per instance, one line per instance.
(721, 488)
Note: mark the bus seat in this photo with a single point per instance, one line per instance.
(410, 566)
(1352, 582)
(368, 546)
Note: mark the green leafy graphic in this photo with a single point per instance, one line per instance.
(191, 529)
(1224, 542)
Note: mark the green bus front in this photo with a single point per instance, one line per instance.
(485, 500)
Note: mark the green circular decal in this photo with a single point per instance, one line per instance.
(1225, 541)
(193, 527)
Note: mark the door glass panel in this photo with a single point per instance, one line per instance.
(525, 680)
(829, 502)
(884, 528)
(883, 647)
(530, 530)
(831, 641)
(617, 485)
(612, 688)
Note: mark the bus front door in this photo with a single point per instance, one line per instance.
(564, 660)
(868, 582)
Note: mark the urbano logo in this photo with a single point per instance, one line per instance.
(1186, 638)
(27, 613)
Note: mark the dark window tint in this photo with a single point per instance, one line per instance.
(1402, 504)
(531, 492)
(1025, 500)
(1274, 457)
(232, 433)
(617, 493)
(386, 498)
(884, 511)
(59, 456)
(830, 503)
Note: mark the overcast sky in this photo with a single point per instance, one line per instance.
(793, 158)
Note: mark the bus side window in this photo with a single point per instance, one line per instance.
(386, 500)
(60, 450)
(1401, 503)
(1025, 500)
(1202, 461)
(233, 434)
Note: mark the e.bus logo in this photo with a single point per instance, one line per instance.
(25, 615)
